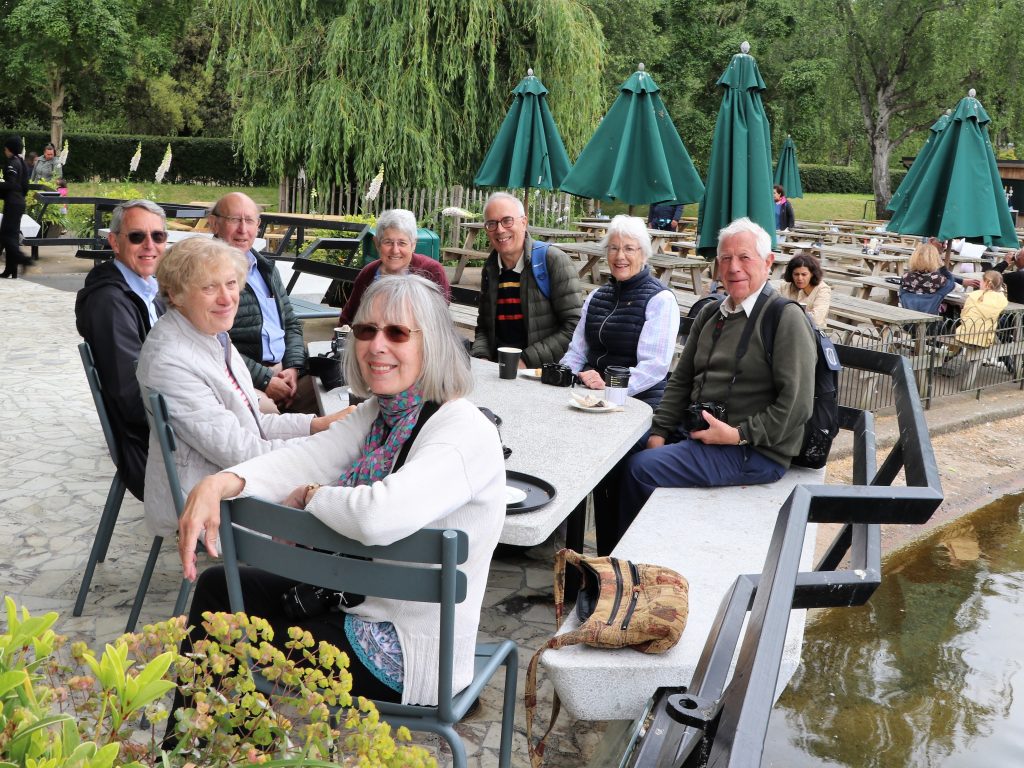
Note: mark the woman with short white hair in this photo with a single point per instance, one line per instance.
(395, 241)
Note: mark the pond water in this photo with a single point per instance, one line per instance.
(929, 672)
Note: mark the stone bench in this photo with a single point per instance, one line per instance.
(710, 536)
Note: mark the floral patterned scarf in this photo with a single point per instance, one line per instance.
(394, 423)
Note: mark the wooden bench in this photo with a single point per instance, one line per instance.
(710, 536)
(464, 255)
(463, 315)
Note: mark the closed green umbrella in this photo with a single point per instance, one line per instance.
(959, 192)
(635, 155)
(906, 187)
(740, 172)
(786, 172)
(528, 151)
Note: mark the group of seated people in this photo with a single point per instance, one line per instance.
(210, 326)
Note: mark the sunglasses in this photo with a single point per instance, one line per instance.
(399, 334)
(137, 238)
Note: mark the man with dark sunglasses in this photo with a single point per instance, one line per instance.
(114, 312)
(266, 332)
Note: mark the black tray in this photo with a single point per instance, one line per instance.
(538, 492)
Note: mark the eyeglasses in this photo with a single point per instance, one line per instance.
(401, 244)
(629, 250)
(236, 220)
(138, 238)
(399, 334)
(506, 221)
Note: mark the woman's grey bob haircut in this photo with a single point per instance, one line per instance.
(411, 299)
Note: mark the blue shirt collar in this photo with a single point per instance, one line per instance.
(146, 288)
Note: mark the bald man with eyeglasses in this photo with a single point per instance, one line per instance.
(266, 332)
(114, 312)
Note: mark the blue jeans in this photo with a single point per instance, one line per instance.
(689, 464)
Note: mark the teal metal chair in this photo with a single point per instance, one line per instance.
(160, 426)
(115, 496)
(423, 567)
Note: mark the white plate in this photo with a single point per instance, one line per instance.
(514, 495)
(594, 408)
(530, 373)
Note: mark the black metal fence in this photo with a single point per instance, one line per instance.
(948, 357)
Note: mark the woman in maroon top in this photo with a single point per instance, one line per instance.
(395, 241)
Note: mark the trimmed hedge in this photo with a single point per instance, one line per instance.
(107, 157)
(838, 179)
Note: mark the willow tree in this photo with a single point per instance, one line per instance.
(339, 87)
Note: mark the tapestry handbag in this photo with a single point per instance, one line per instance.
(620, 604)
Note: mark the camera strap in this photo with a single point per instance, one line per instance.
(741, 348)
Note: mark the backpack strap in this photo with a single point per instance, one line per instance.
(539, 265)
(428, 410)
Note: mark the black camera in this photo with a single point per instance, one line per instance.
(693, 416)
(304, 601)
(557, 375)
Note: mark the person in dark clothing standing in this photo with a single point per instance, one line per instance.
(784, 216)
(114, 312)
(13, 188)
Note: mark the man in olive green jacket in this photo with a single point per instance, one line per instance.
(514, 312)
(766, 404)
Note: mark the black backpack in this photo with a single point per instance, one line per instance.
(823, 425)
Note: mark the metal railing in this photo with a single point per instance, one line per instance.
(951, 357)
(720, 720)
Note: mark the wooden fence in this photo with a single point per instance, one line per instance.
(545, 209)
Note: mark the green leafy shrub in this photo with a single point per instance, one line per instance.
(108, 156)
(840, 179)
(66, 707)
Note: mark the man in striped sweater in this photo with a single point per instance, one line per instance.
(514, 310)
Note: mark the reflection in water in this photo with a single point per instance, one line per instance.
(925, 673)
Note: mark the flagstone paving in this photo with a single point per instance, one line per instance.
(54, 476)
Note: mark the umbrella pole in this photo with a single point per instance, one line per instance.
(949, 252)
(526, 201)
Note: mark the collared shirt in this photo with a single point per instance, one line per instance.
(145, 288)
(272, 333)
(747, 305)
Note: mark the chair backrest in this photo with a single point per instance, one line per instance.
(160, 424)
(422, 567)
(92, 375)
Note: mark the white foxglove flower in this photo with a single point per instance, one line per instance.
(64, 153)
(453, 210)
(23, 145)
(375, 185)
(133, 166)
(165, 165)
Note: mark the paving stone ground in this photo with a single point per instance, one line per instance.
(55, 471)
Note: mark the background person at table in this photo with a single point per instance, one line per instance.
(188, 357)
(266, 331)
(1013, 280)
(766, 404)
(13, 188)
(405, 353)
(802, 282)
(514, 312)
(664, 215)
(395, 240)
(48, 168)
(926, 280)
(980, 315)
(630, 321)
(114, 312)
(784, 216)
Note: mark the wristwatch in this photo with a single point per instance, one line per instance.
(742, 440)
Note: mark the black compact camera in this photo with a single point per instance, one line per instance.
(693, 416)
(304, 601)
(557, 375)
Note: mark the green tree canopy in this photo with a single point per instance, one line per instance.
(341, 86)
